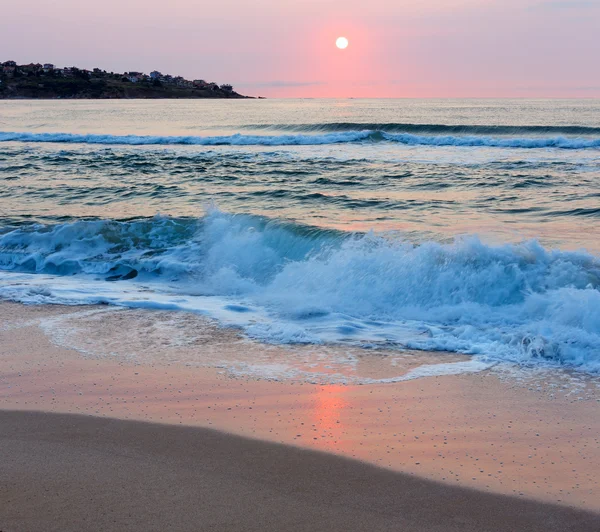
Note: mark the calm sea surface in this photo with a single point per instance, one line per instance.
(460, 225)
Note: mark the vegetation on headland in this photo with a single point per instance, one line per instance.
(48, 81)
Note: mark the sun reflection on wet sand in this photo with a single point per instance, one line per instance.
(327, 408)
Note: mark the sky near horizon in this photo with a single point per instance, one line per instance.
(286, 48)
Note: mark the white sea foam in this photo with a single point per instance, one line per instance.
(438, 370)
(290, 284)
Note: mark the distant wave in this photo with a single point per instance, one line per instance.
(398, 127)
(310, 140)
(290, 283)
(230, 140)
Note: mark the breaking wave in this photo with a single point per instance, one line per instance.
(340, 137)
(284, 282)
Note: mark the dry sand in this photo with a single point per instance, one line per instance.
(452, 447)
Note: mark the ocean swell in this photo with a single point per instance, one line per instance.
(341, 137)
(288, 283)
(229, 140)
(446, 129)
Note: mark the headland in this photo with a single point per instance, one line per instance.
(47, 81)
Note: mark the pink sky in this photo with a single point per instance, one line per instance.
(286, 48)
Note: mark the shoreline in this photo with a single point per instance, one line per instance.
(99, 474)
(534, 439)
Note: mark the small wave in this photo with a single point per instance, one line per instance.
(492, 142)
(519, 303)
(309, 140)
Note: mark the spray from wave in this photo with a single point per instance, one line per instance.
(288, 283)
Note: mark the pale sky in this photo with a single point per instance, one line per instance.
(286, 48)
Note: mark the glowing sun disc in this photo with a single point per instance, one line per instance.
(341, 43)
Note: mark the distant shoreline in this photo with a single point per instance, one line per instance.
(137, 93)
(55, 98)
(48, 82)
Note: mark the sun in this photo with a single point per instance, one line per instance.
(342, 43)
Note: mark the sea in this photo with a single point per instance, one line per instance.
(465, 227)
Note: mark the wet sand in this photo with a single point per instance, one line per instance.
(527, 449)
(71, 473)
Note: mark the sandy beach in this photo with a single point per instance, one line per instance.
(68, 472)
(364, 297)
(117, 441)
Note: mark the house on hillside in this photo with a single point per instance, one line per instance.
(31, 67)
(199, 83)
(180, 81)
(135, 77)
(48, 67)
(9, 68)
(155, 75)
